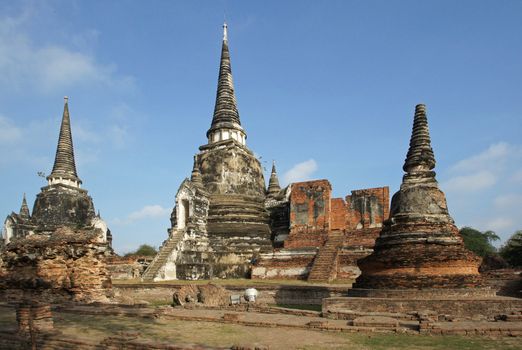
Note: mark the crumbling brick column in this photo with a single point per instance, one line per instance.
(34, 317)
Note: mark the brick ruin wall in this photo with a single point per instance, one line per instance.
(357, 244)
(309, 214)
(268, 294)
(285, 264)
(313, 215)
(130, 267)
(70, 265)
(367, 208)
(464, 308)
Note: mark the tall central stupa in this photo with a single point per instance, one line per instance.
(219, 222)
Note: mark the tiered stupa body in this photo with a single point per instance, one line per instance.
(219, 222)
(419, 246)
(232, 174)
(62, 203)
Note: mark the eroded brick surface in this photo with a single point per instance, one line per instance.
(326, 235)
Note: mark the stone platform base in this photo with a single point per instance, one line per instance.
(432, 293)
(406, 308)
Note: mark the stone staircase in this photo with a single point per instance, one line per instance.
(161, 258)
(325, 260)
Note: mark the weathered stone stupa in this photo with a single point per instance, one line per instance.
(219, 222)
(57, 253)
(419, 246)
(62, 203)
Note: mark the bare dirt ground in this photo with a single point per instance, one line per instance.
(97, 328)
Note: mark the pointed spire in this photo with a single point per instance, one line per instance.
(24, 209)
(273, 184)
(225, 31)
(64, 164)
(226, 114)
(196, 175)
(420, 155)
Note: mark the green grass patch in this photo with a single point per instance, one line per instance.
(97, 328)
(159, 302)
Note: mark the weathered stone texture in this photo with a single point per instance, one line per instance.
(448, 307)
(230, 168)
(34, 316)
(67, 265)
(368, 208)
(130, 267)
(60, 205)
(284, 264)
(309, 214)
(268, 294)
(219, 222)
(336, 232)
(207, 295)
(419, 246)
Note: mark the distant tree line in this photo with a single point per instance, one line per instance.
(143, 250)
(481, 243)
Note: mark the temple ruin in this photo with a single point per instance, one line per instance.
(419, 246)
(62, 202)
(413, 273)
(419, 264)
(227, 224)
(58, 252)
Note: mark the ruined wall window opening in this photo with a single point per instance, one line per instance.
(183, 213)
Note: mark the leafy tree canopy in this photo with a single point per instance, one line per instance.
(479, 242)
(144, 250)
(512, 250)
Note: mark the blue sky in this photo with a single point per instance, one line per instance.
(326, 88)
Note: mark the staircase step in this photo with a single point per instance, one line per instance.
(163, 254)
(322, 266)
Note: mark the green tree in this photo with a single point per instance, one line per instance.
(479, 242)
(512, 250)
(144, 250)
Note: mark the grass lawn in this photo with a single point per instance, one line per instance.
(96, 328)
(217, 334)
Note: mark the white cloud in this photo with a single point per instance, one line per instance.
(300, 172)
(23, 143)
(499, 224)
(481, 190)
(147, 212)
(8, 131)
(492, 157)
(85, 134)
(470, 183)
(508, 201)
(25, 63)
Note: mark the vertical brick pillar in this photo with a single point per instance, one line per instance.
(23, 314)
(35, 316)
